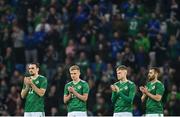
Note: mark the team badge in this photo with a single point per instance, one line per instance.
(79, 87)
(37, 82)
(153, 87)
(125, 87)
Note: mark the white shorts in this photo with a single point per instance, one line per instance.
(154, 115)
(77, 114)
(123, 114)
(34, 114)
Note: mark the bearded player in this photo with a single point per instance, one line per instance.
(33, 92)
(153, 92)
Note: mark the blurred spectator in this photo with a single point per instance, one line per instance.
(153, 28)
(129, 57)
(70, 49)
(160, 49)
(82, 62)
(17, 37)
(43, 25)
(143, 41)
(30, 47)
(50, 60)
(117, 44)
(51, 101)
(12, 100)
(9, 60)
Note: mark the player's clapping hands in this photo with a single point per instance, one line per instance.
(143, 89)
(114, 88)
(27, 81)
(71, 89)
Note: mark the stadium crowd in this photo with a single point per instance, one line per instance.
(97, 35)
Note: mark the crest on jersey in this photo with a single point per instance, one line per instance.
(79, 87)
(153, 87)
(125, 87)
(37, 82)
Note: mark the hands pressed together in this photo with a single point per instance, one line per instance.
(143, 89)
(71, 89)
(28, 82)
(114, 88)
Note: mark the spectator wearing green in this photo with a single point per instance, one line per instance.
(133, 26)
(142, 41)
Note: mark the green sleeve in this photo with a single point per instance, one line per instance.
(24, 86)
(132, 92)
(44, 83)
(85, 88)
(160, 89)
(66, 92)
(114, 97)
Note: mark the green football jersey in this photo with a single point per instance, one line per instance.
(123, 99)
(152, 106)
(35, 103)
(75, 104)
(133, 28)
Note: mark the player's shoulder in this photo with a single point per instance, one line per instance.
(83, 82)
(69, 83)
(159, 83)
(42, 77)
(131, 82)
(116, 83)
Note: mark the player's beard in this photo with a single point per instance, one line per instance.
(150, 78)
(32, 74)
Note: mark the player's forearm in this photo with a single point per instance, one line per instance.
(154, 97)
(40, 92)
(127, 98)
(67, 98)
(143, 97)
(113, 97)
(24, 92)
(81, 97)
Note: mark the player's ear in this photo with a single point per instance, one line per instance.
(126, 72)
(38, 69)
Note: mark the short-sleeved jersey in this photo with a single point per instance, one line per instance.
(75, 104)
(123, 100)
(153, 106)
(34, 102)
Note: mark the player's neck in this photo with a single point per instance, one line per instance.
(153, 81)
(35, 76)
(124, 80)
(76, 81)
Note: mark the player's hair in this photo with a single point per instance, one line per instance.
(37, 64)
(121, 67)
(155, 69)
(74, 67)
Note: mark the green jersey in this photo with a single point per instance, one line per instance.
(75, 104)
(133, 27)
(123, 99)
(34, 102)
(152, 106)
